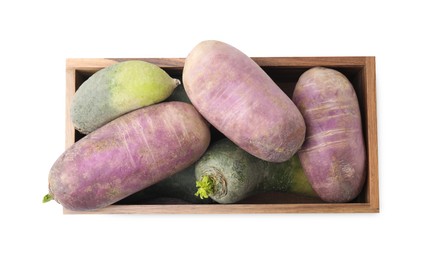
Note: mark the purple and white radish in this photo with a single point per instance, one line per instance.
(333, 154)
(240, 100)
(127, 155)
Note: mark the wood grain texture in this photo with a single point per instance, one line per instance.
(292, 62)
(372, 138)
(283, 69)
(304, 62)
(231, 209)
(70, 89)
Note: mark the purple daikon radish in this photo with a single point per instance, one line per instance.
(127, 155)
(333, 154)
(240, 100)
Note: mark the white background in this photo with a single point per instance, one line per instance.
(37, 36)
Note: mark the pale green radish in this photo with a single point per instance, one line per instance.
(117, 90)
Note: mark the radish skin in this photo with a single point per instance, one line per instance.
(178, 186)
(333, 154)
(240, 100)
(116, 90)
(127, 155)
(228, 174)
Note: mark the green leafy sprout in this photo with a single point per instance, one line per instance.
(47, 198)
(205, 187)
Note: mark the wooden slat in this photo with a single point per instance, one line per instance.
(89, 64)
(97, 64)
(297, 62)
(372, 138)
(307, 62)
(231, 209)
(69, 93)
(161, 62)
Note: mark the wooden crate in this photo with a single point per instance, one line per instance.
(285, 72)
